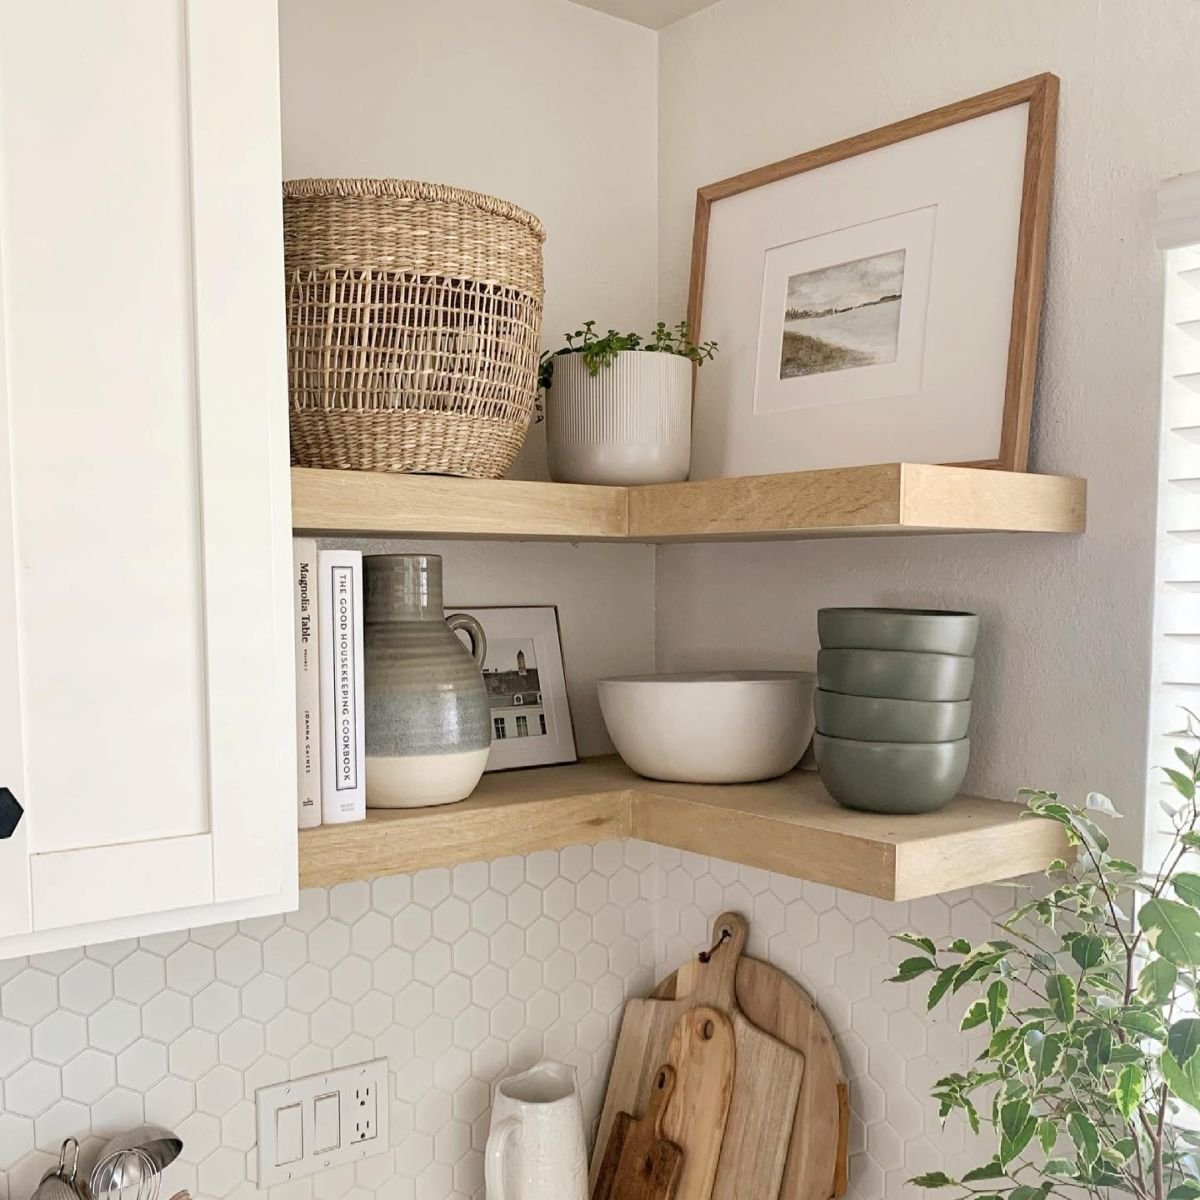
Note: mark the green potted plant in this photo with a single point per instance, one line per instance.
(619, 406)
(1089, 1083)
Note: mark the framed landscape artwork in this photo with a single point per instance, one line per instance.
(527, 689)
(878, 300)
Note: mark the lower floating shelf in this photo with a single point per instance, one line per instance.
(789, 825)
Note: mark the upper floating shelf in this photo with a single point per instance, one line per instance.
(893, 498)
(789, 825)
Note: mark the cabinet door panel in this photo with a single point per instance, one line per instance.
(145, 614)
(103, 419)
(75, 887)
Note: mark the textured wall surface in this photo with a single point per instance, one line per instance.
(456, 977)
(453, 976)
(1064, 654)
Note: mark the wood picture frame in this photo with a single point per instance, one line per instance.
(1041, 94)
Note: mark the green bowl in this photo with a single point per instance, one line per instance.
(932, 631)
(896, 674)
(891, 777)
(875, 719)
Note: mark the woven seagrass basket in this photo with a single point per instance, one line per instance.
(414, 312)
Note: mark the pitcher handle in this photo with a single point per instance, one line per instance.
(493, 1163)
(474, 631)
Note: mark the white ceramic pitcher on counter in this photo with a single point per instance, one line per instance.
(535, 1148)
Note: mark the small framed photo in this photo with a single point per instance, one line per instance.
(527, 688)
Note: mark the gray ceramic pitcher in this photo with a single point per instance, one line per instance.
(429, 728)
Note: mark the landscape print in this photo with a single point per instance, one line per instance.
(843, 316)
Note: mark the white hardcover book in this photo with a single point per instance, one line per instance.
(343, 733)
(308, 683)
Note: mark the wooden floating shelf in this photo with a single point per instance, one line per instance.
(894, 498)
(789, 825)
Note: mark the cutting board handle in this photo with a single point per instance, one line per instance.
(714, 975)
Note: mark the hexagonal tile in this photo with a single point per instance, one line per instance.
(190, 969)
(239, 960)
(241, 1043)
(308, 988)
(329, 943)
(192, 1054)
(59, 1037)
(218, 1091)
(88, 1076)
(263, 997)
(29, 997)
(32, 1089)
(142, 1065)
(84, 987)
(114, 1026)
(166, 1016)
(169, 1101)
(216, 1007)
(285, 951)
(139, 977)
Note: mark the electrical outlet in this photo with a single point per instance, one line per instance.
(320, 1121)
(366, 1116)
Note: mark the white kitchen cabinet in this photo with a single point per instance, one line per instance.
(146, 676)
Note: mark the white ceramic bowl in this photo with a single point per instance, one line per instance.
(710, 726)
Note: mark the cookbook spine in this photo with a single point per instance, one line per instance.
(343, 734)
(308, 684)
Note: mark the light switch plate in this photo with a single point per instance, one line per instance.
(344, 1112)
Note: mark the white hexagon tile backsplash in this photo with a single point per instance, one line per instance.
(455, 976)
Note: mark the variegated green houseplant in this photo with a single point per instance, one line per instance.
(1089, 1084)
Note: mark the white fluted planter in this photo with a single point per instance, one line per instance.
(630, 423)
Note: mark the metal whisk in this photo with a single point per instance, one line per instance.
(130, 1166)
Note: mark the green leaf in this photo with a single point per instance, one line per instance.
(1173, 929)
(941, 986)
(997, 1003)
(1061, 992)
(1024, 1192)
(1087, 950)
(1190, 840)
(1157, 981)
(1128, 1091)
(1183, 1040)
(1188, 1190)
(1182, 783)
(1184, 1082)
(1013, 1116)
(1061, 1167)
(975, 1015)
(992, 1170)
(934, 1179)
(1043, 1052)
(1099, 802)
(913, 968)
(960, 946)
(1143, 1021)
(1047, 1136)
(1010, 1148)
(1097, 1044)
(1187, 887)
(916, 939)
(1083, 1134)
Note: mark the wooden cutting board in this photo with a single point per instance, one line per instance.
(639, 1162)
(817, 1162)
(702, 1053)
(766, 1084)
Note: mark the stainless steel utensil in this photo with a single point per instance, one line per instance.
(134, 1162)
(60, 1183)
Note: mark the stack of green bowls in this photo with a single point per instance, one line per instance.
(893, 705)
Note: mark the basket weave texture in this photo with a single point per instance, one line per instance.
(414, 316)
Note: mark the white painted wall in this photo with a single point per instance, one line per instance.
(1064, 656)
(546, 104)
(551, 106)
